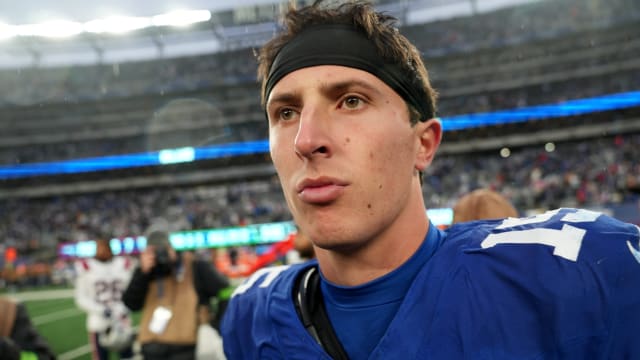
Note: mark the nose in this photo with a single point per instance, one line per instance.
(313, 137)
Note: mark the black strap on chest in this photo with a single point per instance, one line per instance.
(311, 311)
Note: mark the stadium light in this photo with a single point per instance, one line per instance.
(117, 24)
(181, 18)
(7, 31)
(174, 156)
(53, 29)
(113, 25)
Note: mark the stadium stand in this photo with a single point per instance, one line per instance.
(544, 53)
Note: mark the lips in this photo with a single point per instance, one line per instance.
(320, 191)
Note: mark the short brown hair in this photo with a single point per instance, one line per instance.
(379, 28)
(482, 204)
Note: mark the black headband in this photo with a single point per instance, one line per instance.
(341, 44)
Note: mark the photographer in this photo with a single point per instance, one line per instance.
(170, 288)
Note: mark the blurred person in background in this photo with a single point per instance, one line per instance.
(99, 286)
(174, 291)
(352, 127)
(482, 204)
(302, 248)
(19, 339)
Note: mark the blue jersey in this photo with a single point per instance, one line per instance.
(561, 285)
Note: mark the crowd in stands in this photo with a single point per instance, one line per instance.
(127, 108)
(591, 173)
(526, 23)
(544, 52)
(153, 128)
(522, 24)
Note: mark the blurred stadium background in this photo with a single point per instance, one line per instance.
(109, 123)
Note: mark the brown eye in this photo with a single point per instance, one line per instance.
(352, 102)
(286, 114)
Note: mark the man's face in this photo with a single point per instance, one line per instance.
(345, 152)
(103, 252)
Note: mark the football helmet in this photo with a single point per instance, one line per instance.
(118, 335)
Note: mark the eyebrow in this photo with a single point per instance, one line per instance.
(347, 84)
(288, 97)
(325, 89)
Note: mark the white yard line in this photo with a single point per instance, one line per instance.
(64, 314)
(58, 315)
(42, 295)
(75, 353)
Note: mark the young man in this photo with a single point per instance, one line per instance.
(351, 127)
(99, 287)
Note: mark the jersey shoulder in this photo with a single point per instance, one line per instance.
(118, 267)
(123, 263)
(268, 282)
(568, 274)
(84, 265)
(263, 307)
(575, 235)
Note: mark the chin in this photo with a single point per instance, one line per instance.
(335, 240)
(342, 247)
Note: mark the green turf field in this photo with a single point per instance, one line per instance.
(62, 324)
(55, 315)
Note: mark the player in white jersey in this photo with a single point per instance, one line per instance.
(99, 287)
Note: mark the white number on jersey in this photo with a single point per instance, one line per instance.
(108, 291)
(271, 274)
(566, 241)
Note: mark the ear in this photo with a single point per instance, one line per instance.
(430, 134)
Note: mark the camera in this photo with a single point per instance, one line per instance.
(162, 256)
